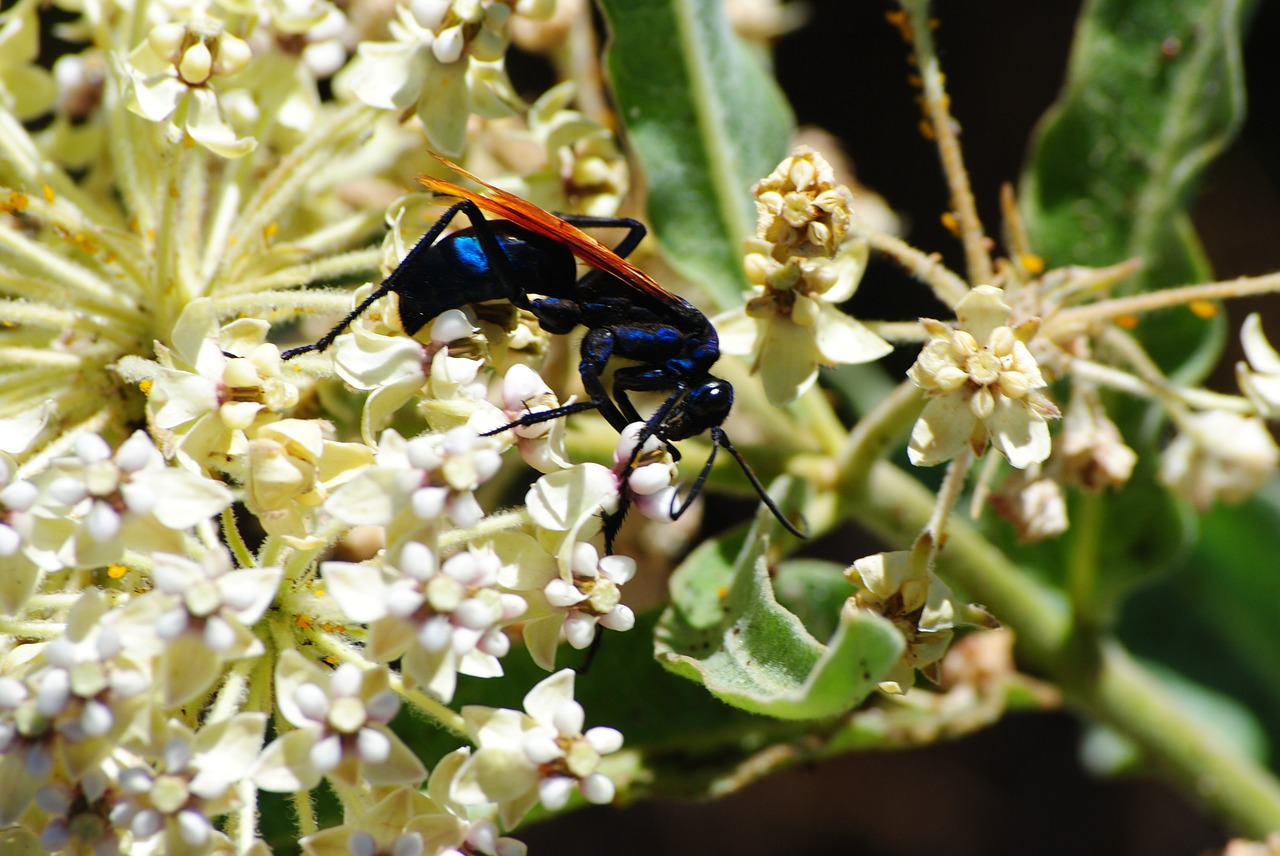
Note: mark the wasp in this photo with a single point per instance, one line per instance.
(530, 258)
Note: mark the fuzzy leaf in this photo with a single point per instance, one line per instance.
(1155, 91)
(726, 630)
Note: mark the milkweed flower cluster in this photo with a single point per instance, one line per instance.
(806, 258)
(174, 645)
(225, 575)
(983, 384)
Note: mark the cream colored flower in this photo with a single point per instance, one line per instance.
(446, 60)
(1093, 454)
(174, 75)
(340, 730)
(1259, 379)
(212, 388)
(982, 384)
(806, 259)
(919, 604)
(539, 755)
(1219, 456)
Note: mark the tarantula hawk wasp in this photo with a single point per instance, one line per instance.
(530, 259)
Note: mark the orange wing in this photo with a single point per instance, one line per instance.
(535, 219)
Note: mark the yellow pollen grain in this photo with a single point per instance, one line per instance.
(14, 203)
(145, 387)
(1031, 263)
(331, 660)
(270, 231)
(48, 193)
(722, 592)
(951, 223)
(1127, 322)
(116, 572)
(151, 234)
(303, 621)
(1203, 308)
(231, 241)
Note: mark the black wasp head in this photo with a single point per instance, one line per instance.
(703, 406)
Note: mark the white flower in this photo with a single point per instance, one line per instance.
(428, 477)
(1033, 504)
(539, 755)
(982, 384)
(212, 388)
(129, 500)
(1091, 449)
(568, 604)
(191, 784)
(81, 695)
(172, 76)
(339, 721)
(446, 61)
(541, 445)
(1260, 378)
(1219, 456)
(26, 89)
(29, 540)
(208, 611)
(439, 621)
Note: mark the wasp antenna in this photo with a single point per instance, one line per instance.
(328, 338)
(722, 439)
(696, 489)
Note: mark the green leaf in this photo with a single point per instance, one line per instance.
(1155, 91)
(814, 591)
(725, 630)
(706, 121)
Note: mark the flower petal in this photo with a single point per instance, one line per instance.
(943, 428)
(1018, 432)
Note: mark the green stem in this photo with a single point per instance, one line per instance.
(1082, 560)
(937, 109)
(1100, 679)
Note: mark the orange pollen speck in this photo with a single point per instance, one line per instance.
(14, 203)
(116, 571)
(303, 621)
(1032, 263)
(951, 223)
(926, 130)
(1127, 322)
(48, 193)
(1203, 308)
(899, 21)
